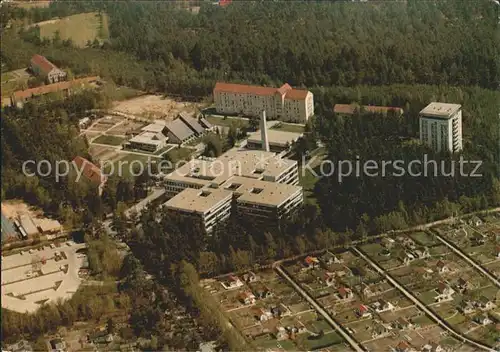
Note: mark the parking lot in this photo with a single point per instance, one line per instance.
(31, 278)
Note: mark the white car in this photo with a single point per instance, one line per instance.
(52, 246)
(30, 251)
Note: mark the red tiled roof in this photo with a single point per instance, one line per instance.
(296, 94)
(343, 291)
(350, 109)
(89, 170)
(441, 287)
(242, 88)
(363, 308)
(286, 89)
(41, 61)
(440, 264)
(54, 87)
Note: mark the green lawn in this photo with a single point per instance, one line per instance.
(110, 140)
(287, 127)
(423, 238)
(80, 28)
(130, 164)
(314, 344)
(178, 154)
(228, 122)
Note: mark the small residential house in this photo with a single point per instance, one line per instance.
(432, 347)
(367, 290)
(387, 242)
(403, 346)
(466, 307)
(249, 277)
(379, 331)
(247, 297)
(422, 253)
(232, 282)
(426, 273)
(485, 304)
(402, 324)
(482, 320)
(281, 333)
(382, 306)
(407, 257)
(345, 293)
(58, 345)
(263, 292)
(330, 279)
(329, 258)
(263, 314)
(462, 285)
(363, 311)
(19, 346)
(42, 67)
(90, 172)
(311, 262)
(445, 292)
(442, 267)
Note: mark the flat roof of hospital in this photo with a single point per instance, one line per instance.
(443, 110)
(198, 200)
(249, 163)
(260, 192)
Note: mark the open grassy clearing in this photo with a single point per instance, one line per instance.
(287, 127)
(111, 140)
(227, 121)
(80, 28)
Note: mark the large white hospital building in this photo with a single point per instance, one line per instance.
(441, 126)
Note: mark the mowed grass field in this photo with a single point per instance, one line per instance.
(79, 28)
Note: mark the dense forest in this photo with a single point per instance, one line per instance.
(157, 46)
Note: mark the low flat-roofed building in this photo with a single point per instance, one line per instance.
(149, 141)
(47, 226)
(262, 184)
(209, 206)
(278, 140)
(255, 164)
(28, 225)
(158, 126)
(264, 200)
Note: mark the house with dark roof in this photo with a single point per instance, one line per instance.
(192, 123)
(42, 67)
(179, 132)
(90, 173)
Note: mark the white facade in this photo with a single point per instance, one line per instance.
(441, 127)
(284, 103)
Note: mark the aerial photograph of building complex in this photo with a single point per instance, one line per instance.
(238, 175)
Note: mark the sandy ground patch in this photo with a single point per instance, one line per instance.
(14, 208)
(155, 107)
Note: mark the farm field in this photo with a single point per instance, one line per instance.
(107, 139)
(80, 28)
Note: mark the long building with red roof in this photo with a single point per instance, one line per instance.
(42, 67)
(284, 103)
(18, 98)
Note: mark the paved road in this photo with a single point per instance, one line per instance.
(354, 344)
(468, 260)
(420, 305)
